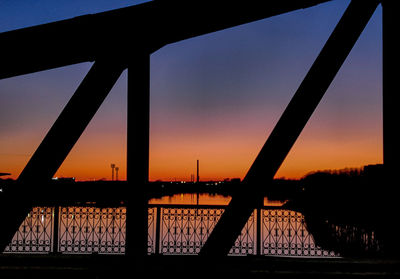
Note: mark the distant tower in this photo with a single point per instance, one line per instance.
(112, 172)
(198, 177)
(116, 173)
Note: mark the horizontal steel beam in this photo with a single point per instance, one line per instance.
(145, 27)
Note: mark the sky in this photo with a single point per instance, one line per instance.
(214, 98)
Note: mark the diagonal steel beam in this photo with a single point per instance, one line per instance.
(56, 145)
(289, 126)
(72, 121)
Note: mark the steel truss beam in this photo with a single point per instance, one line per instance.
(148, 26)
(289, 126)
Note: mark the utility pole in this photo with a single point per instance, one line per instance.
(198, 177)
(116, 173)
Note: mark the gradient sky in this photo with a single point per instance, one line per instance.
(214, 98)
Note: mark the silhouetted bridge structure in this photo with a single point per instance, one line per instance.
(124, 39)
(85, 241)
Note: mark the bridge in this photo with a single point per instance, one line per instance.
(124, 39)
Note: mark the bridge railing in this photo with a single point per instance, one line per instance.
(173, 230)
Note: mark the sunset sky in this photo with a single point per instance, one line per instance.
(214, 98)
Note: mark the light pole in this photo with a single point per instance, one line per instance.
(112, 172)
(116, 173)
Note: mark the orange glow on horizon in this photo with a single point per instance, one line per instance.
(220, 158)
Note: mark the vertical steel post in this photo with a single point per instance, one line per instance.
(138, 154)
(391, 98)
(391, 101)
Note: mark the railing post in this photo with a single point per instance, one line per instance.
(56, 215)
(259, 236)
(158, 228)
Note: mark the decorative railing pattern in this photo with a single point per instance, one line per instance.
(153, 230)
(172, 230)
(185, 230)
(284, 234)
(35, 234)
(246, 243)
(92, 230)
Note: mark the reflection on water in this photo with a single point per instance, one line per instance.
(178, 224)
(269, 232)
(203, 199)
